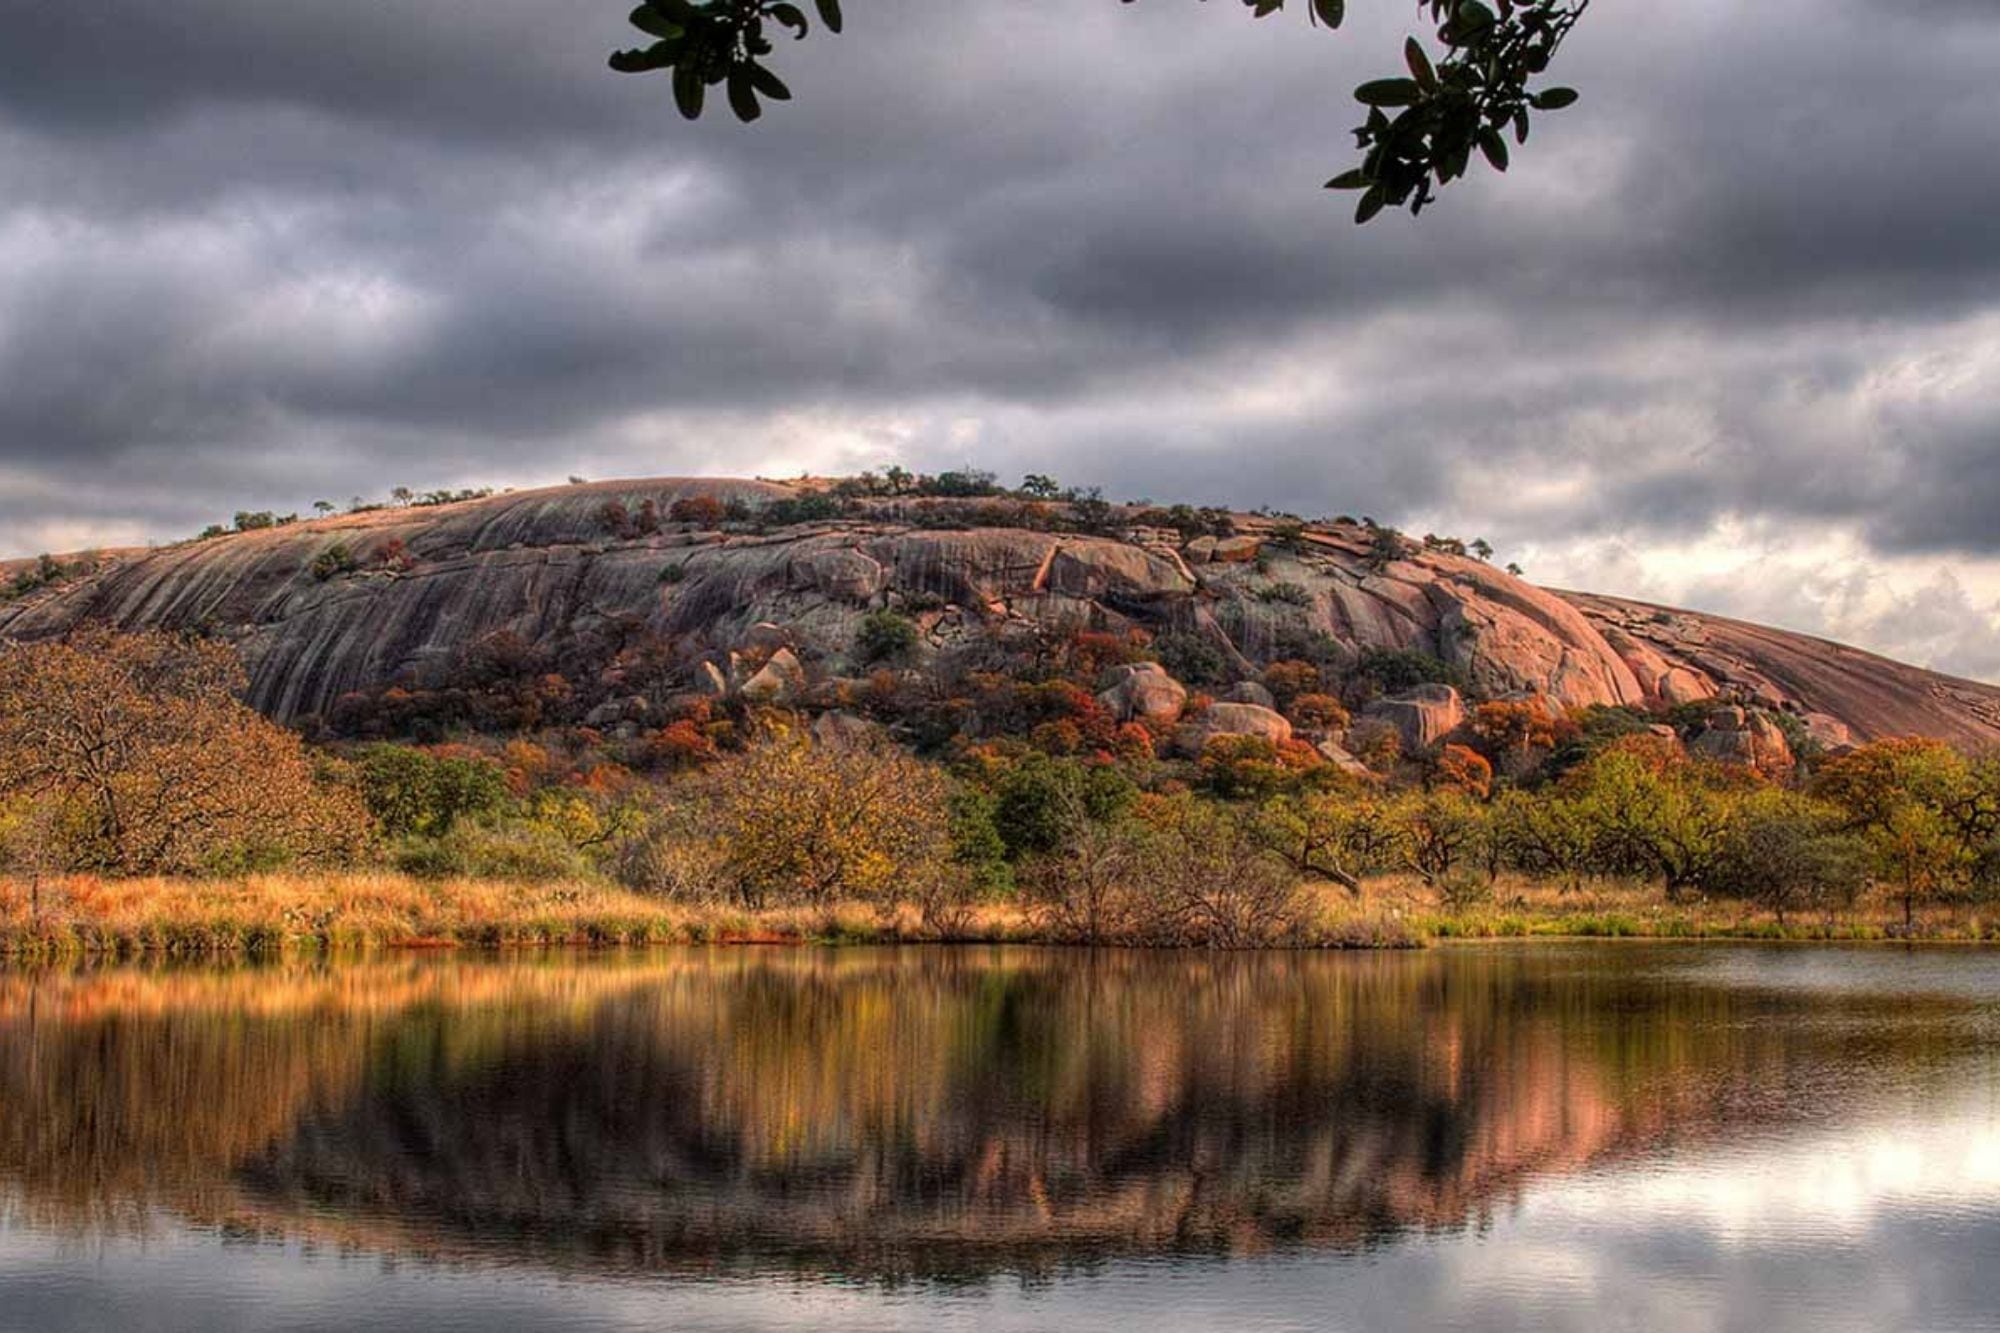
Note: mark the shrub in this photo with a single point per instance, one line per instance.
(1789, 855)
(1318, 712)
(1040, 802)
(335, 560)
(515, 852)
(1290, 678)
(808, 506)
(1395, 670)
(1289, 594)
(412, 792)
(884, 636)
(703, 511)
(1213, 882)
(1386, 546)
(1465, 770)
(966, 483)
(1084, 890)
(1191, 658)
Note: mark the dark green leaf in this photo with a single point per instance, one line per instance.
(829, 13)
(1371, 204)
(1495, 148)
(742, 98)
(688, 91)
(769, 84)
(1553, 99)
(791, 16)
(1356, 179)
(1330, 12)
(1420, 65)
(1388, 92)
(650, 20)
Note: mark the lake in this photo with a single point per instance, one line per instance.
(1547, 1136)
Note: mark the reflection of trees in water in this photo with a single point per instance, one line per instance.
(881, 1112)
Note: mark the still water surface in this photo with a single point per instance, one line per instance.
(1536, 1137)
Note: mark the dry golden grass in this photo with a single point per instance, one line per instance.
(1613, 908)
(85, 915)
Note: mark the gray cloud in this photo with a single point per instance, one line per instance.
(252, 254)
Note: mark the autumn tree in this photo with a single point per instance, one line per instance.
(143, 760)
(1652, 811)
(1212, 881)
(1789, 853)
(1548, 834)
(820, 823)
(1341, 835)
(1437, 831)
(1926, 812)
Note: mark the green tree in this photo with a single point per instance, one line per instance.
(413, 792)
(885, 636)
(1924, 810)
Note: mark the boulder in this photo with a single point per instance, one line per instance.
(1682, 686)
(1250, 692)
(765, 637)
(1141, 690)
(1735, 735)
(1236, 550)
(1228, 719)
(841, 728)
(709, 680)
(1829, 732)
(1424, 716)
(1334, 754)
(779, 680)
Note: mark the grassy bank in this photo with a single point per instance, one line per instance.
(89, 917)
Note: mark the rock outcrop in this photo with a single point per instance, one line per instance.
(364, 601)
(1140, 691)
(1230, 720)
(1423, 716)
(1741, 736)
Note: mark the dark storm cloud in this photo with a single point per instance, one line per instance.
(251, 254)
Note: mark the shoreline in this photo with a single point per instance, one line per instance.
(88, 919)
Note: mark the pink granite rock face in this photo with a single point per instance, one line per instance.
(1424, 716)
(548, 570)
(1227, 719)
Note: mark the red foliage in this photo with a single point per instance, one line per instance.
(680, 746)
(704, 511)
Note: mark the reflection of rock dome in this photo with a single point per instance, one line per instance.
(863, 1112)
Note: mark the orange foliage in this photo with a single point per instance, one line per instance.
(1465, 770)
(139, 759)
(1318, 712)
(1289, 679)
(1514, 725)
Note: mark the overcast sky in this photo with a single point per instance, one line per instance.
(1728, 334)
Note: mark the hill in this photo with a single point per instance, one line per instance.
(628, 591)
